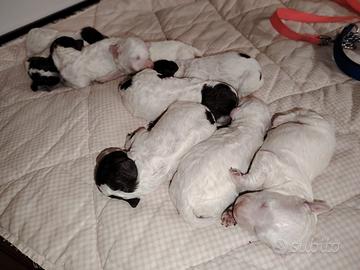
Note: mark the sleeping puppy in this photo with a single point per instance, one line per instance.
(165, 49)
(147, 95)
(236, 69)
(39, 40)
(153, 155)
(202, 188)
(43, 71)
(102, 61)
(295, 151)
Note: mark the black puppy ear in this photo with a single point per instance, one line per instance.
(244, 55)
(91, 35)
(34, 86)
(126, 84)
(133, 202)
(165, 68)
(79, 44)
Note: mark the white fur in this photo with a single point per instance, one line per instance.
(38, 40)
(157, 152)
(96, 62)
(39, 71)
(295, 151)
(202, 186)
(148, 96)
(172, 50)
(244, 74)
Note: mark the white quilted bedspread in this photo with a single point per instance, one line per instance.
(50, 207)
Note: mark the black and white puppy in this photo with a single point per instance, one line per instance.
(43, 71)
(147, 95)
(236, 69)
(153, 155)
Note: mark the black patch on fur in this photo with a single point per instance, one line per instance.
(133, 202)
(42, 63)
(39, 81)
(91, 35)
(220, 99)
(210, 117)
(117, 171)
(260, 76)
(125, 85)
(153, 123)
(244, 55)
(165, 68)
(67, 42)
(42, 83)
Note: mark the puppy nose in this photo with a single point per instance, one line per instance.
(149, 64)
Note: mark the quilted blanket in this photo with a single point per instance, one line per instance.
(50, 208)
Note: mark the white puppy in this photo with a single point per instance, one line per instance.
(105, 59)
(236, 69)
(102, 61)
(147, 95)
(153, 155)
(202, 188)
(295, 151)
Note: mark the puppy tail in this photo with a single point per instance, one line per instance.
(187, 212)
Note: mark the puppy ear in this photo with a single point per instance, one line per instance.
(133, 202)
(318, 206)
(106, 151)
(34, 86)
(115, 50)
(79, 44)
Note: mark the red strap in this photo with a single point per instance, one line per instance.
(298, 16)
(350, 4)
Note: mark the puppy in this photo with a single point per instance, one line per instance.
(38, 41)
(102, 61)
(166, 49)
(43, 71)
(295, 151)
(236, 69)
(153, 155)
(202, 188)
(147, 95)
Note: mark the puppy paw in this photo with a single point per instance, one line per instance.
(227, 218)
(235, 172)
